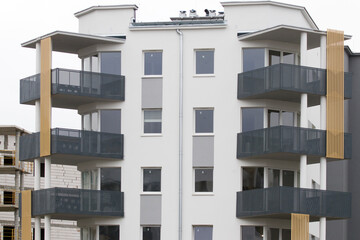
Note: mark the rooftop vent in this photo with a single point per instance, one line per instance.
(212, 13)
(206, 12)
(220, 14)
(182, 14)
(192, 13)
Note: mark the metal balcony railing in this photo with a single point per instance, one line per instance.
(75, 142)
(277, 201)
(68, 203)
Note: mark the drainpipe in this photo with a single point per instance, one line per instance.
(181, 80)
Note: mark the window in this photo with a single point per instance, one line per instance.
(151, 233)
(253, 58)
(273, 118)
(204, 121)
(109, 232)
(203, 232)
(153, 63)
(286, 234)
(91, 64)
(288, 178)
(8, 233)
(274, 177)
(252, 119)
(152, 120)
(204, 180)
(88, 233)
(110, 121)
(152, 180)
(274, 57)
(253, 178)
(288, 58)
(252, 232)
(274, 234)
(110, 62)
(90, 121)
(278, 177)
(110, 179)
(287, 118)
(89, 179)
(8, 198)
(9, 161)
(42, 169)
(204, 61)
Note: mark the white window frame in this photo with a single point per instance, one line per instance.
(142, 181)
(194, 182)
(194, 122)
(145, 226)
(143, 123)
(200, 225)
(143, 63)
(194, 65)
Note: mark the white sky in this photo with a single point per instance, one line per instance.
(23, 20)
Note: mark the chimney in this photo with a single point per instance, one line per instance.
(182, 14)
(212, 13)
(193, 13)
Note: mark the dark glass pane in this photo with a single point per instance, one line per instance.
(111, 179)
(108, 232)
(287, 118)
(204, 121)
(252, 232)
(286, 234)
(152, 180)
(288, 178)
(274, 234)
(153, 63)
(252, 119)
(203, 233)
(274, 178)
(253, 58)
(204, 180)
(152, 121)
(273, 118)
(288, 58)
(111, 62)
(253, 178)
(274, 57)
(151, 233)
(205, 62)
(110, 121)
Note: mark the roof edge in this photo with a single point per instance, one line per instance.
(350, 52)
(105, 7)
(274, 3)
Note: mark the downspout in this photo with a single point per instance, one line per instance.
(181, 80)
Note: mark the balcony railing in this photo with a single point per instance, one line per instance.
(279, 202)
(286, 140)
(286, 82)
(68, 203)
(68, 142)
(87, 85)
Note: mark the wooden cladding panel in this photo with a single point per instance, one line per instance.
(45, 97)
(335, 95)
(26, 215)
(299, 226)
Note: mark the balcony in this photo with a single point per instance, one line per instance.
(71, 147)
(74, 204)
(72, 88)
(280, 202)
(286, 82)
(286, 143)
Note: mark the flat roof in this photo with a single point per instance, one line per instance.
(285, 33)
(11, 130)
(103, 7)
(70, 42)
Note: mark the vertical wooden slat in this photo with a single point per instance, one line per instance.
(299, 226)
(45, 97)
(26, 215)
(335, 95)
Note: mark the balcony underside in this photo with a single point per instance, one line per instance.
(12, 170)
(311, 159)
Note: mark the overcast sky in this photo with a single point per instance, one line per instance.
(23, 20)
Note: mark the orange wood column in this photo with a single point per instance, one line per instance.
(45, 97)
(26, 215)
(299, 226)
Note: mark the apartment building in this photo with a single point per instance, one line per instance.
(196, 128)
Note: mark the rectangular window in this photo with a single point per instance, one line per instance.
(288, 58)
(110, 121)
(88, 233)
(273, 118)
(204, 61)
(153, 63)
(253, 58)
(287, 118)
(151, 233)
(203, 232)
(204, 121)
(110, 62)
(111, 179)
(109, 232)
(273, 177)
(286, 234)
(252, 232)
(90, 121)
(252, 119)
(273, 234)
(204, 180)
(152, 120)
(89, 179)
(152, 180)
(274, 57)
(253, 178)
(288, 178)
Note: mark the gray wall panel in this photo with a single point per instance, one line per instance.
(150, 209)
(203, 151)
(151, 93)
